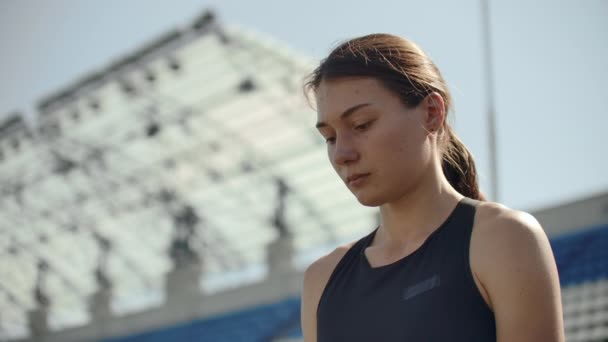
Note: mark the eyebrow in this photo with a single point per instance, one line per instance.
(345, 114)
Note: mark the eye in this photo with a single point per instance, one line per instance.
(330, 140)
(364, 126)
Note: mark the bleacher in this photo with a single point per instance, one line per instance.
(582, 260)
(260, 324)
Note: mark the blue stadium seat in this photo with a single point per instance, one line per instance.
(251, 325)
(582, 256)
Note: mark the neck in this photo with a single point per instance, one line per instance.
(418, 213)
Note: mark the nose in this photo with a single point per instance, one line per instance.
(345, 152)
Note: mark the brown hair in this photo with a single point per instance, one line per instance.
(403, 68)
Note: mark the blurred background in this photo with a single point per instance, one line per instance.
(161, 177)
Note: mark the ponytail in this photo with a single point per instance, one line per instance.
(459, 167)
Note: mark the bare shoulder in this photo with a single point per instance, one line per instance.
(316, 277)
(499, 229)
(512, 259)
(317, 274)
(496, 218)
(503, 236)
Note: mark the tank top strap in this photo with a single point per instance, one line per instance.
(470, 202)
(466, 216)
(351, 256)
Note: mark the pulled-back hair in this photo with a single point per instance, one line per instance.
(403, 68)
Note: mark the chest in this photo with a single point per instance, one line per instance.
(377, 257)
(427, 308)
(427, 297)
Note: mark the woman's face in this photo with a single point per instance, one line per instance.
(378, 146)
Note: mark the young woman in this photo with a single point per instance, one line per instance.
(443, 265)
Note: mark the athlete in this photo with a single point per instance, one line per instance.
(443, 264)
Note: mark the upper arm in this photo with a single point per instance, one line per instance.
(515, 264)
(315, 279)
(309, 303)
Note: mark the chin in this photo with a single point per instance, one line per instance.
(369, 201)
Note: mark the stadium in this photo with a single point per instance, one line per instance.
(179, 193)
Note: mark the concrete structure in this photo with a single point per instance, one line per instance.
(575, 215)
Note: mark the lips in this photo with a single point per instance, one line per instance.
(357, 178)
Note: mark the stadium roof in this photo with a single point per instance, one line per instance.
(204, 133)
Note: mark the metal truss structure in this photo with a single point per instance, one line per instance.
(199, 145)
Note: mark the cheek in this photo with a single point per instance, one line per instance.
(395, 143)
(404, 151)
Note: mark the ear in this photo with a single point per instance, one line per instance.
(434, 108)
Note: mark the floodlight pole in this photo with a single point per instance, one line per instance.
(491, 112)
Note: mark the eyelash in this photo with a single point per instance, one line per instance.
(359, 128)
(364, 126)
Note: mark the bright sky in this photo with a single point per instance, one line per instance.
(549, 61)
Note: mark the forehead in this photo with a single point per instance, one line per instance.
(333, 97)
(347, 87)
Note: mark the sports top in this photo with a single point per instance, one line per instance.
(429, 295)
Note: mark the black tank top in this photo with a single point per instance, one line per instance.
(429, 295)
